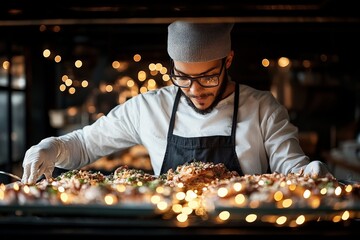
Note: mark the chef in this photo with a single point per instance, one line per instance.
(203, 116)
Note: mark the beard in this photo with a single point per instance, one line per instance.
(217, 99)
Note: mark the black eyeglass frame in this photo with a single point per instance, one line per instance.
(197, 79)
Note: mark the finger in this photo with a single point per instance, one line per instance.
(26, 173)
(35, 173)
(33, 178)
(28, 166)
(48, 173)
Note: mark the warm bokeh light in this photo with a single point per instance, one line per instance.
(265, 62)
(193, 204)
(61, 189)
(187, 210)
(336, 219)
(278, 196)
(182, 217)
(57, 58)
(120, 188)
(300, 219)
(110, 199)
(109, 88)
(281, 220)
(62, 87)
(158, 66)
(130, 83)
(16, 186)
(163, 70)
(64, 197)
(251, 218)
(323, 191)
(46, 53)
(240, 199)
(165, 77)
(155, 199)
(307, 193)
(292, 187)
(72, 111)
(137, 57)
(287, 203)
(84, 83)
(152, 67)
(78, 63)
(116, 64)
(315, 202)
(338, 191)
(224, 215)
(6, 65)
(153, 73)
(159, 189)
(142, 75)
(68, 82)
(42, 28)
(237, 186)
(190, 195)
(64, 78)
(180, 196)
(162, 205)
(283, 62)
(348, 188)
(143, 89)
(222, 192)
(345, 216)
(56, 28)
(151, 84)
(177, 208)
(26, 189)
(72, 90)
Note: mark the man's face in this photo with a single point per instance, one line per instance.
(202, 98)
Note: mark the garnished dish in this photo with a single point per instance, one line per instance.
(197, 189)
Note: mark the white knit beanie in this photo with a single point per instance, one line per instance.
(198, 42)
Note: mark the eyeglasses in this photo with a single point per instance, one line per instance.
(206, 81)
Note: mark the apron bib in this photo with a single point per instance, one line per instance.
(216, 149)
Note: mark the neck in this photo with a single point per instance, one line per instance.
(230, 88)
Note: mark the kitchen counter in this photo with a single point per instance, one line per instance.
(110, 221)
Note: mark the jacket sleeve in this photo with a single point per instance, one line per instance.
(109, 134)
(281, 141)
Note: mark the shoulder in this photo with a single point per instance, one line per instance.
(261, 100)
(146, 103)
(154, 96)
(151, 101)
(163, 92)
(168, 91)
(250, 93)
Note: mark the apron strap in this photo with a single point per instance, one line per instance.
(236, 109)
(172, 119)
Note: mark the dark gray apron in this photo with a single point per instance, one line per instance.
(216, 149)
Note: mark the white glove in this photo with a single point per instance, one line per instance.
(317, 169)
(40, 159)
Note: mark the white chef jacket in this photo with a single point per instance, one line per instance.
(264, 135)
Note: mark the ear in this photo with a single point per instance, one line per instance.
(229, 59)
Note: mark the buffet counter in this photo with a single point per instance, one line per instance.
(202, 199)
(97, 221)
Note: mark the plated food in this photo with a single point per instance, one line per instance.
(193, 188)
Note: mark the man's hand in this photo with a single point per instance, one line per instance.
(317, 169)
(39, 159)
